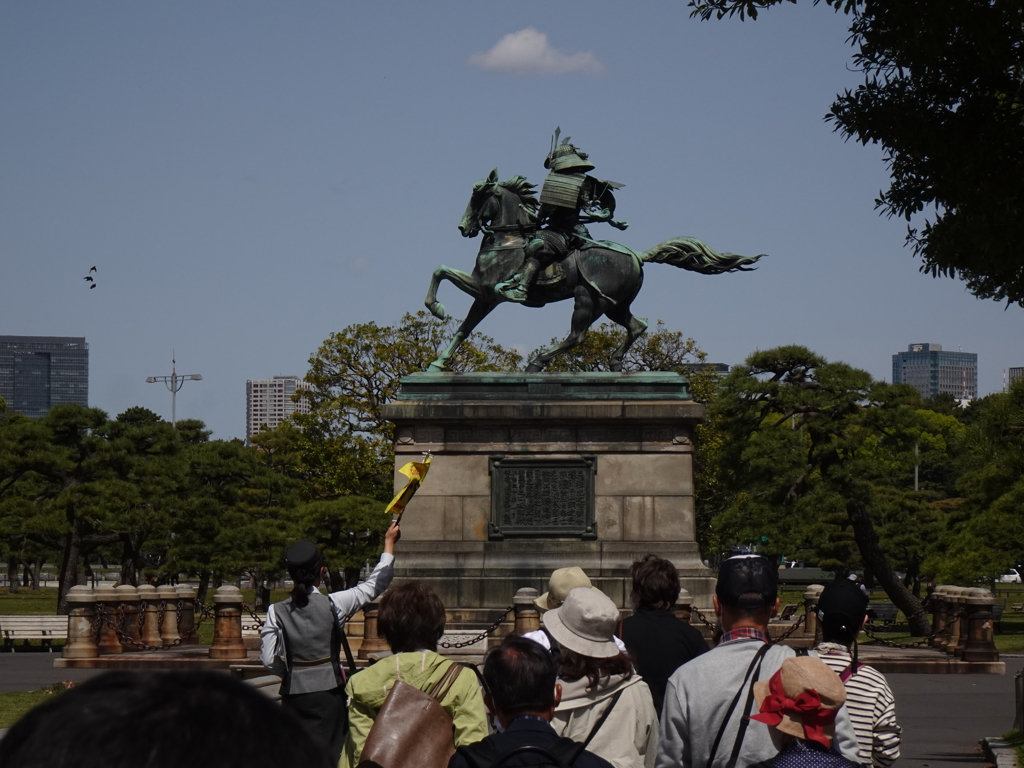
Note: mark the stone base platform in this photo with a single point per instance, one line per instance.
(183, 657)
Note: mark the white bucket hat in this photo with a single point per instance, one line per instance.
(561, 583)
(585, 623)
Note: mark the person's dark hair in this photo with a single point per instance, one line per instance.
(655, 582)
(836, 628)
(521, 676)
(160, 720)
(411, 618)
(300, 590)
(574, 666)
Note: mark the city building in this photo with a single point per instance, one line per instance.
(268, 402)
(933, 371)
(39, 372)
(1016, 373)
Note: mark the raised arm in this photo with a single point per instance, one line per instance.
(349, 601)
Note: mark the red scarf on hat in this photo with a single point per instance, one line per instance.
(806, 706)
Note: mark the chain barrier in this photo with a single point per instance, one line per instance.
(796, 625)
(702, 619)
(103, 617)
(871, 629)
(482, 635)
(255, 617)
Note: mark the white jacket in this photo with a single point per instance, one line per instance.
(629, 736)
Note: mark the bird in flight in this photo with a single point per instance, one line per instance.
(90, 279)
(92, 269)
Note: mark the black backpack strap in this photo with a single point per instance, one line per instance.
(745, 720)
(593, 731)
(555, 646)
(755, 662)
(477, 755)
(530, 749)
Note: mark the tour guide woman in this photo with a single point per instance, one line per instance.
(300, 638)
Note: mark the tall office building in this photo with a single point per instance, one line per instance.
(1016, 373)
(39, 372)
(936, 372)
(268, 402)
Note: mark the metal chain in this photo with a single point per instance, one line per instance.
(700, 617)
(127, 639)
(871, 629)
(482, 635)
(255, 617)
(791, 630)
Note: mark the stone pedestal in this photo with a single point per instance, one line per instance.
(533, 472)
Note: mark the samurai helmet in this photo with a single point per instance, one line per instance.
(567, 157)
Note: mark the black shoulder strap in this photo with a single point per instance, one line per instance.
(755, 662)
(348, 650)
(555, 646)
(478, 754)
(745, 720)
(593, 731)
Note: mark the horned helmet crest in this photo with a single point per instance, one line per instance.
(566, 156)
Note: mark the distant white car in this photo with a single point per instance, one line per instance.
(1013, 577)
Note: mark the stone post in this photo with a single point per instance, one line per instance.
(938, 606)
(811, 595)
(128, 597)
(684, 606)
(526, 612)
(187, 615)
(956, 619)
(948, 611)
(151, 616)
(81, 642)
(372, 643)
(109, 614)
(227, 632)
(169, 625)
(981, 644)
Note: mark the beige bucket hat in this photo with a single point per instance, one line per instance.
(585, 623)
(801, 699)
(561, 583)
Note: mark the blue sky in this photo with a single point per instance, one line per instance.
(249, 177)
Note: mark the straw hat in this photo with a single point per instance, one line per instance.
(801, 699)
(585, 623)
(562, 582)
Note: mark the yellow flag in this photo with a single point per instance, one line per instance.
(416, 471)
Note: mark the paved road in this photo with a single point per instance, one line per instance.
(29, 671)
(943, 716)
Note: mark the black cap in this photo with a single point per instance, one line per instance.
(844, 598)
(747, 581)
(302, 556)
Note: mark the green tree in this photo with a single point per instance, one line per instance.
(348, 531)
(943, 94)
(802, 459)
(986, 534)
(346, 440)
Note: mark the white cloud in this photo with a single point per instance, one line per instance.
(528, 52)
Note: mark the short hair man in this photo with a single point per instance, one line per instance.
(523, 693)
(708, 700)
(127, 719)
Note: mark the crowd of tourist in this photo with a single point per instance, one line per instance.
(588, 689)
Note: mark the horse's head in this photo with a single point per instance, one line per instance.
(482, 207)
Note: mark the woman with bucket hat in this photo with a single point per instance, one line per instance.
(562, 582)
(603, 699)
(799, 704)
(300, 638)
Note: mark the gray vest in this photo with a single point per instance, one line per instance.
(311, 638)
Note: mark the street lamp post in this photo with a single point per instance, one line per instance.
(174, 382)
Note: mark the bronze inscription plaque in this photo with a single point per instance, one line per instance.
(542, 497)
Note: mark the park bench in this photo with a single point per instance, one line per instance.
(1017, 607)
(44, 628)
(883, 613)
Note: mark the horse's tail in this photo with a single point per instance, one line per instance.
(691, 254)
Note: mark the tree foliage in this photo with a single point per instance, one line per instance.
(943, 94)
(809, 446)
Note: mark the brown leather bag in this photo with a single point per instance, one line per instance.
(412, 729)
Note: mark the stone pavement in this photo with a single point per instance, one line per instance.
(943, 716)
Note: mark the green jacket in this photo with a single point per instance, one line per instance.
(367, 690)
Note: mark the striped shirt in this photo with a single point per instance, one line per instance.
(871, 705)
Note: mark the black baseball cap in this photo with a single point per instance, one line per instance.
(844, 598)
(747, 581)
(302, 556)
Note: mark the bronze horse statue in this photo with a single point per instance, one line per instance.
(602, 278)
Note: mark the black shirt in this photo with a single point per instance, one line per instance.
(660, 643)
(521, 732)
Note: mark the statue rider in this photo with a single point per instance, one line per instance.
(569, 200)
